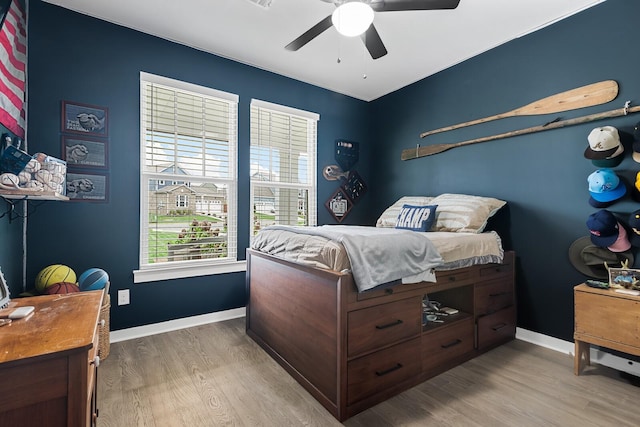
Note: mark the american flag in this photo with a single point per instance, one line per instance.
(13, 57)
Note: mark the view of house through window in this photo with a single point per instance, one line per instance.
(283, 165)
(188, 174)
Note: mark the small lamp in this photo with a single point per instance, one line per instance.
(352, 19)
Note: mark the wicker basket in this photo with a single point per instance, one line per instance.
(103, 334)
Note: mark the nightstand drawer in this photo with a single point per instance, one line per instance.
(381, 325)
(378, 371)
(497, 327)
(446, 343)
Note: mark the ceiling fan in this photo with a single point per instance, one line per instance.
(369, 34)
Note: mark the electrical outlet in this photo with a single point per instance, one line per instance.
(123, 297)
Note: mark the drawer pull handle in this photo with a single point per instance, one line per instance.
(452, 278)
(499, 294)
(388, 371)
(388, 325)
(498, 327)
(451, 344)
(388, 291)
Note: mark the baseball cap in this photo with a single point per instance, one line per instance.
(636, 151)
(635, 190)
(634, 228)
(636, 142)
(605, 186)
(614, 160)
(622, 243)
(604, 228)
(599, 205)
(603, 142)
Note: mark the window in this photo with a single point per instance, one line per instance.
(188, 151)
(283, 165)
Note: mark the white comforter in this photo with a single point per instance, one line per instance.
(380, 255)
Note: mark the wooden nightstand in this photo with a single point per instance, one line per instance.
(48, 362)
(605, 318)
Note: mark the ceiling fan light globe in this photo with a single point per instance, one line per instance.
(352, 19)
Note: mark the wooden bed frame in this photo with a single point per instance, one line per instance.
(353, 350)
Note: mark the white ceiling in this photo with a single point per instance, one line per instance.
(420, 43)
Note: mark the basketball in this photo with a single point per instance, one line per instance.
(54, 274)
(61, 288)
(93, 279)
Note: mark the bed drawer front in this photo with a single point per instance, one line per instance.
(447, 343)
(490, 271)
(377, 372)
(382, 325)
(493, 296)
(454, 277)
(497, 327)
(392, 290)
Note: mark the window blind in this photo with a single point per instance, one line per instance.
(283, 165)
(188, 174)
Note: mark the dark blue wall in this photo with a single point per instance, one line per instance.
(543, 176)
(11, 231)
(77, 58)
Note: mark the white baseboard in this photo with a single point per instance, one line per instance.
(566, 347)
(597, 356)
(172, 325)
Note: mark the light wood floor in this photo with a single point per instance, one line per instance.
(214, 375)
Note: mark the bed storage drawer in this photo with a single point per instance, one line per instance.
(382, 325)
(378, 371)
(492, 271)
(399, 288)
(454, 277)
(497, 327)
(447, 343)
(493, 296)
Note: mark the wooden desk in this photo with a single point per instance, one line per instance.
(48, 361)
(605, 318)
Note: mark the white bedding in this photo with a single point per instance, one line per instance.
(455, 249)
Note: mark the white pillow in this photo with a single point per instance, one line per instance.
(463, 213)
(390, 215)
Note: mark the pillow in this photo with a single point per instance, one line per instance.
(463, 213)
(390, 215)
(416, 218)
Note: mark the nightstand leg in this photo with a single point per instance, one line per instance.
(582, 356)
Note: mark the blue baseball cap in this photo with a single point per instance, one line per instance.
(605, 186)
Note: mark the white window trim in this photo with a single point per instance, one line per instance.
(285, 110)
(186, 269)
(167, 271)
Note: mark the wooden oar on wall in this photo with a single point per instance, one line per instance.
(585, 96)
(428, 150)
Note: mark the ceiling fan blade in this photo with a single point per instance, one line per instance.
(373, 42)
(398, 5)
(310, 34)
